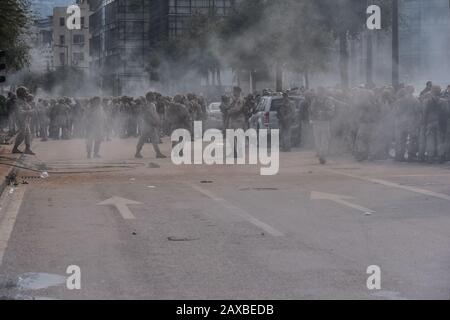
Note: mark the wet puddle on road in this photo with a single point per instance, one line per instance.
(36, 281)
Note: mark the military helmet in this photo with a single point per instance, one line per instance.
(178, 98)
(95, 100)
(150, 96)
(21, 92)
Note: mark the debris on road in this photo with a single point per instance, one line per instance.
(153, 165)
(44, 174)
(182, 239)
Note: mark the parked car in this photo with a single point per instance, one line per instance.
(215, 116)
(265, 116)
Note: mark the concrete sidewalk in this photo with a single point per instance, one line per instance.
(7, 161)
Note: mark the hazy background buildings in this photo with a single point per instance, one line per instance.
(119, 36)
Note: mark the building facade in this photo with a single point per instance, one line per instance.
(425, 40)
(71, 47)
(124, 32)
(168, 18)
(41, 39)
(119, 42)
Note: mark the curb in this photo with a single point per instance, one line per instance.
(10, 173)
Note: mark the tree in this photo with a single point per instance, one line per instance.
(14, 16)
(346, 19)
(277, 34)
(200, 43)
(303, 44)
(243, 38)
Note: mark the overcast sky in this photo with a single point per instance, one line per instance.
(45, 7)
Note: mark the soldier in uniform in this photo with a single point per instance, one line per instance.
(368, 115)
(178, 117)
(446, 97)
(446, 94)
(58, 117)
(133, 112)
(322, 111)
(161, 110)
(77, 112)
(67, 134)
(435, 110)
(43, 118)
(427, 89)
(407, 120)
(23, 121)
(151, 126)
(224, 106)
(285, 116)
(236, 116)
(94, 120)
(249, 108)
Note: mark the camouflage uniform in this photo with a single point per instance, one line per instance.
(23, 121)
(368, 114)
(446, 97)
(43, 119)
(407, 121)
(151, 124)
(224, 106)
(95, 122)
(236, 118)
(435, 109)
(322, 111)
(285, 116)
(178, 117)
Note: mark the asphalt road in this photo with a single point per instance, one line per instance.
(222, 232)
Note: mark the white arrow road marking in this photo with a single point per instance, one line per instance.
(338, 199)
(238, 211)
(10, 202)
(122, 206)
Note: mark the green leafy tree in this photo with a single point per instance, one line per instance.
(347, 19)
(243, 40)
(14, 17)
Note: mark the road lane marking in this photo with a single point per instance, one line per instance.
(122, 206)
(394, 185)
(11, 204)
(238, 211)
(339, 199)
(418, 175)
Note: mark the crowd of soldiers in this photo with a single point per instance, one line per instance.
(378, 123)
(370, 123)
(98, 119)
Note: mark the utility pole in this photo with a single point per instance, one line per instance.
(395, 46)
(369, 56)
